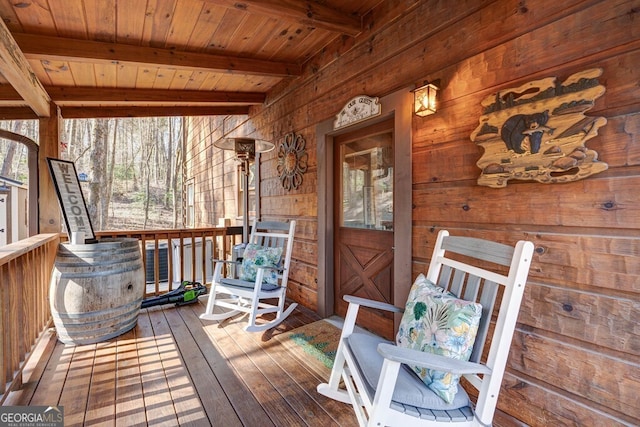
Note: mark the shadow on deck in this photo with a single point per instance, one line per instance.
(175, 369)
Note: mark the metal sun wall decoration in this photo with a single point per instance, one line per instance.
(292, 161)
(537, 131)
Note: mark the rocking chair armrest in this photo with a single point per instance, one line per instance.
(373, 304)
(278, 268)
(226, 261)
(431, 361)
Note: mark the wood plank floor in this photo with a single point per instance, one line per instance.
(173, 369)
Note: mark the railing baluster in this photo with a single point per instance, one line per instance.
(170, 272)
(185, 242)
(25, 271)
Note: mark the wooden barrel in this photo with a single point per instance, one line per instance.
(96, 290)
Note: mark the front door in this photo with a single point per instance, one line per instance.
(364, 236)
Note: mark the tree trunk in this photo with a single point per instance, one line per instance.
(177, 171)
(147, 192)
(168, 194)
(108, 189)
(134, 154)
(145, 172)
(98, 162)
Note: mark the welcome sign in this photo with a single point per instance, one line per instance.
(74, 208)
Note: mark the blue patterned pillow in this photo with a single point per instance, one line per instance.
(255, 256)
(437, 322)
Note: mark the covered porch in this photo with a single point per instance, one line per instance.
(265, 70)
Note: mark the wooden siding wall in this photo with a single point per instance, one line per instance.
(576, 354)
(205, 165)
(215, 175)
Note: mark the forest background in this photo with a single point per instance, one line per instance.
(133, 168)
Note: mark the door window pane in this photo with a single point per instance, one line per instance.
(367, 183)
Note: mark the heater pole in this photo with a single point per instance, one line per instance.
(245, 201)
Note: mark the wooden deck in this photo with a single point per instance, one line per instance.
(174, 369)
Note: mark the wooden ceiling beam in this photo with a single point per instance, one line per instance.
(16, 69)
(10, 97)
(308, 13)
(68, 96)
(121, 112)
(64, 49)
(17, 113)
(78, 95)
(26, 113)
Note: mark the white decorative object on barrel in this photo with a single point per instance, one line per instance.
(96, 290)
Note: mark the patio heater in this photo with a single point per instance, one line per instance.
(245, 149)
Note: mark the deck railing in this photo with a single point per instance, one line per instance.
(170, 256)
(25, 273)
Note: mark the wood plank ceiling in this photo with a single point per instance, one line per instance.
(123, 58)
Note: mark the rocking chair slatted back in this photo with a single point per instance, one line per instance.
(270, 233)
(452, 275)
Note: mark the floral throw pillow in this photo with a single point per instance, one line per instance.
(437, 322)
(424, 285)
(256, 256)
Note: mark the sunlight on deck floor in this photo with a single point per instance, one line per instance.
(175, 369)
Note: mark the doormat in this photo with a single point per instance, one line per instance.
(318, 339)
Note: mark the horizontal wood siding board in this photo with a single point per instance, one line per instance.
(522, 399)
(600, 264)
(290, 205)
(587, 317)
(555, 361)
(304, 274)
(595, 202)
(303, 296)
(304, 251)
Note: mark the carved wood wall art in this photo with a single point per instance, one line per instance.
(292, 161)
(538, 131)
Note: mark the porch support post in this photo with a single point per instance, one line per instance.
(32, 161)
(49, 208)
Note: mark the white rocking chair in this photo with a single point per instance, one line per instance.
(267, 257)
(379, 382)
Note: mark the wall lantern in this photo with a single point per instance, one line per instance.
(425, 99)
(245, 149)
